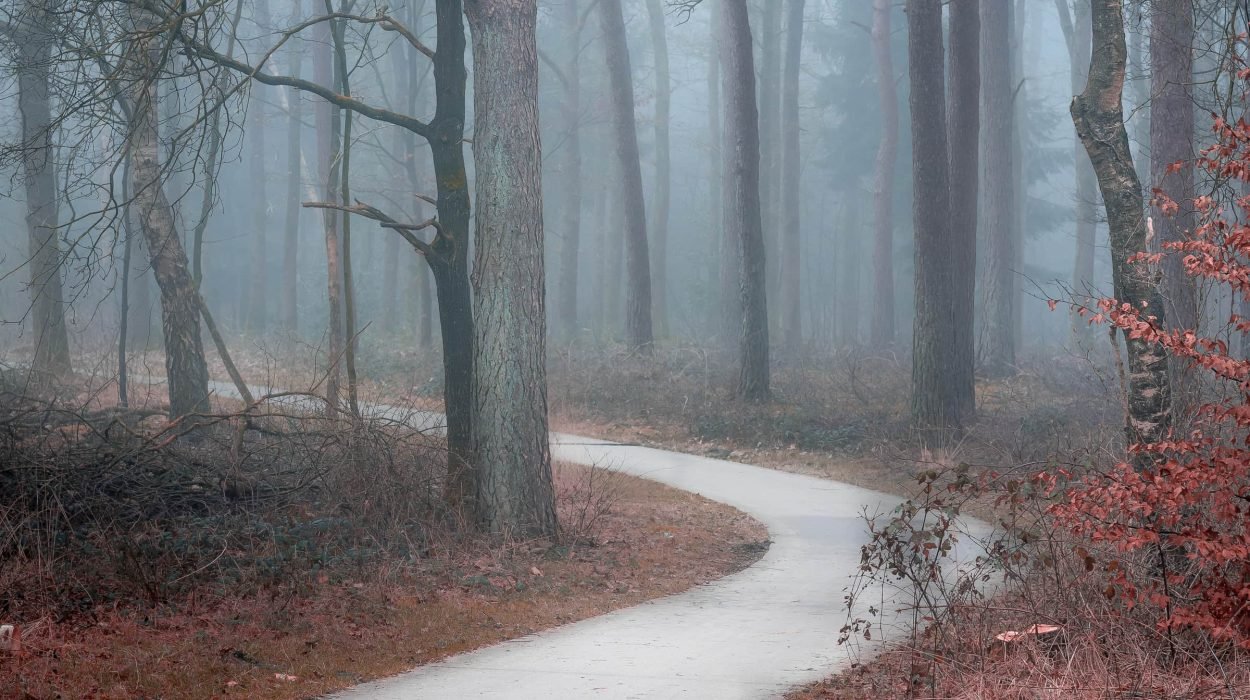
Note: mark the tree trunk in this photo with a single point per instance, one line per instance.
(1172, 141)
(1099, 119)
(513, 456)
(450, 262)
(769, 96)
(185, 368)
(726, 279)
(34, 45)
(965, 132)
(790, 231)
(329, 133)
(742, 196)
(295, 170)
(638, 330)
(663, 192)
(883, 334)
(1000, 194)
(257, 304)
(570, 115)
(932, 406)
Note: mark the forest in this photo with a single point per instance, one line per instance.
(625, 348)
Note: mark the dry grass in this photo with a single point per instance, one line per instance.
(655, 541)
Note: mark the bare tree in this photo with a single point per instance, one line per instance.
(185, 368)
(638, 329)
(1099, 119)
(742, 196)
(511, 450)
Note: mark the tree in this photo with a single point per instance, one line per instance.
(1099, 119)
(1172, 142)
(1000, 194)
(185, 368)
(791, 233)
(883, 188)
(257, 312)
(570, 115)
(742, 196)
(932, 403)
(638, 329)
(965, 131)
(663, 191)
(769, 96)
(512, 454)
(34, 40)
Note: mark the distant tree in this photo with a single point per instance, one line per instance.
(882, 333)
(1076, 32)
(257, 311)
(933, 403)
(663, 188)
(1000, 195)
(638, 329)
(769, 101)
(742, 196)
(1099, 119)
(571, 118)
(295, 173)
(511, 450)
(966, 30)
(790, 231)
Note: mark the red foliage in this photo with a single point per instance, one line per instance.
(1193, 501)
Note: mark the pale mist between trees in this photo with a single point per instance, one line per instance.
(487, 182)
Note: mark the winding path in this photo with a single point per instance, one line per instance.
(753, 634)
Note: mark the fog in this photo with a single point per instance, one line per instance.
(253, 227)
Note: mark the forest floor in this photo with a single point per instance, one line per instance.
(629, 540)
(843, 416)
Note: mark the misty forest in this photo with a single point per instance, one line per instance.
(882, 348)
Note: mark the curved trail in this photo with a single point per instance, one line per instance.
(753, 634)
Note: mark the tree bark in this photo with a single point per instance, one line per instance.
(883, 334)
(638, 329)
(965, 131)
(1099, 119)
(570, 115)
(742, 197)
(932, 406)
(663, 192)
(791, 186)
(185, 368)
(34, 43)
(513, 456)
(1000, 194)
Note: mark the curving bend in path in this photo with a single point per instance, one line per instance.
(753, 634)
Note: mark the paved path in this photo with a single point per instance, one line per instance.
(753, 634)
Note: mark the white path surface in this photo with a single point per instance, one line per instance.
(753, 634)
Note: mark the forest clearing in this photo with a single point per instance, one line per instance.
(625, 348)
